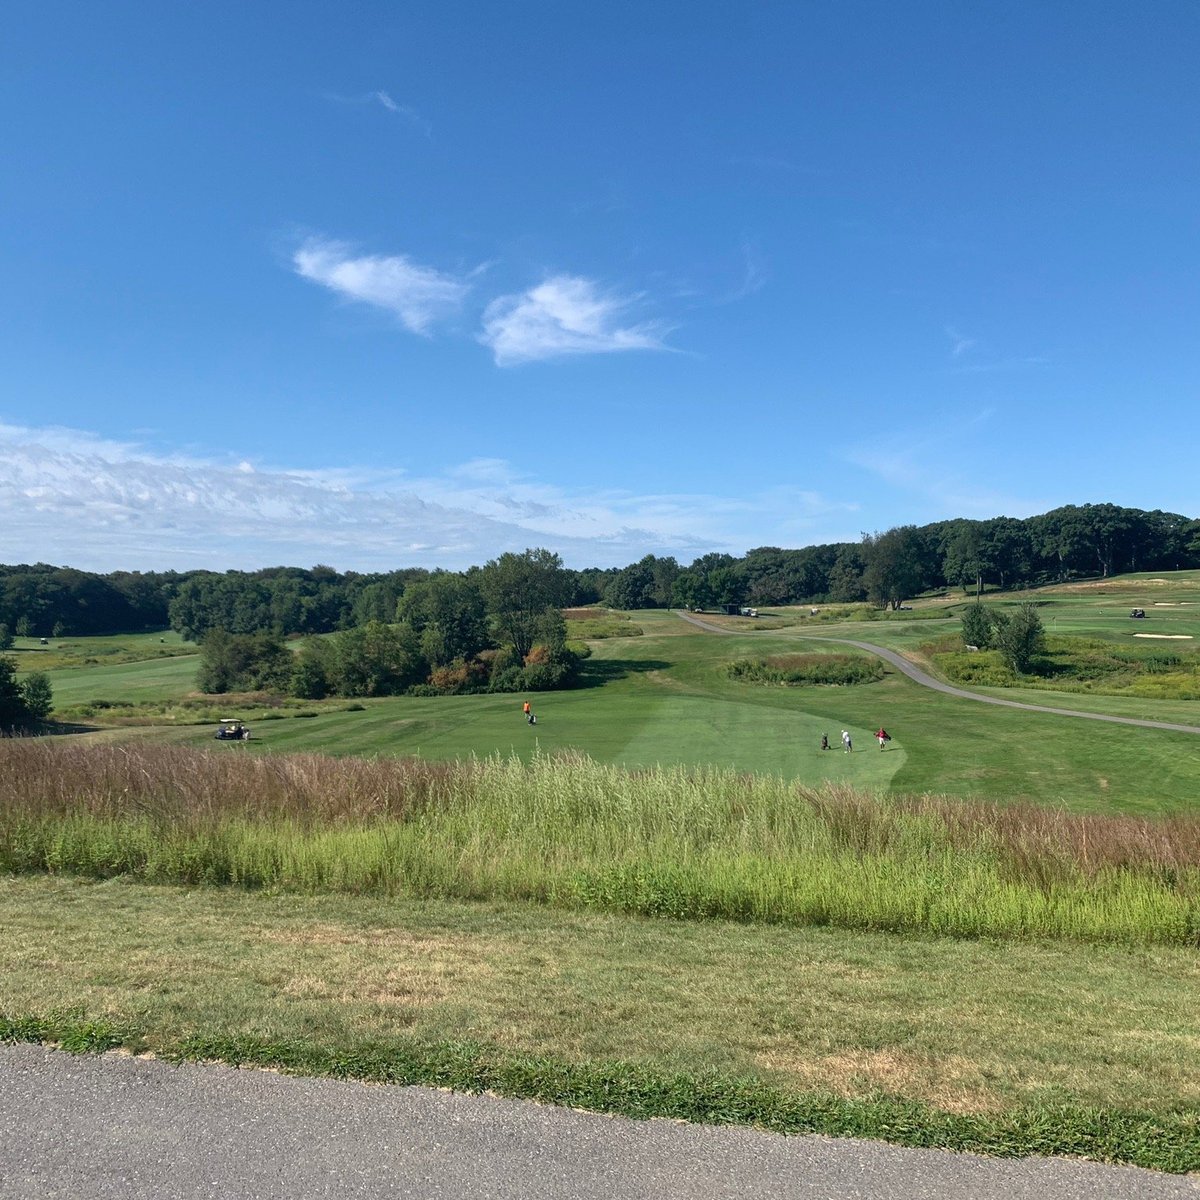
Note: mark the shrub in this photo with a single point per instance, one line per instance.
(977, 626)
(799, 670)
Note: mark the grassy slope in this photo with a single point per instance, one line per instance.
(858, 1014)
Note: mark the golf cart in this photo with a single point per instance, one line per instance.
(232, 730)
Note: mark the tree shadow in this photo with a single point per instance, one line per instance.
(596, 673)
(48, 729)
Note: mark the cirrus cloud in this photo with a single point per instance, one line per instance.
(419, 296)
(563, 315)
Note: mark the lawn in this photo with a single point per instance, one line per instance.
(971, 1029)
(1014, 1046)
(665, 697)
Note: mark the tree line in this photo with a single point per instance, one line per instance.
(498, 628)
(884, 568)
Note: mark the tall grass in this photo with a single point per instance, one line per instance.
(568, 831)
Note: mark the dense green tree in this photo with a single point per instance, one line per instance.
(13, 710)
(977, 626)
(376, 660)
(37, 695)
(648, 583)
(691, 590)
(965, 559)
(449, 612)
(518, 590)
(1019, 636)
(243, 662)
(1008, 550)
(845, 581)
(892, 571)
(315, 670)
(6, 637)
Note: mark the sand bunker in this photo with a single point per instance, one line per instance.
(1167, 637)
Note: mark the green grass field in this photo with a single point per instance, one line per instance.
(664, 698)
(1002, 1048)
(446, 975)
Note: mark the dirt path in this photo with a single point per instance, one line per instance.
(925, 680)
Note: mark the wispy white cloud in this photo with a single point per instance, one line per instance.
(419, 296)
(563, 315)
(923, 465)
(410, 116)
(406, 112)
(961, 343)
(70, 497)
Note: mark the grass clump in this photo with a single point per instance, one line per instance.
(806, 670)
(594, 624)
(571, 832)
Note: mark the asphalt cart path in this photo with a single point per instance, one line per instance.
(117, 1128)
(925, 680)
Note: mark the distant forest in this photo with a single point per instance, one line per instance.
(883, 568)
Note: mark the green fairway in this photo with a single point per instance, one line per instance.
(665, 697)
(124, 683)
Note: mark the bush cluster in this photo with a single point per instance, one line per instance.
(1082, 665)
(802, 670)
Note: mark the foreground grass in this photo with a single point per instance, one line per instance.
(1027, 1048)
(577, 834)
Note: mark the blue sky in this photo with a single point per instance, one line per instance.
(383, 285)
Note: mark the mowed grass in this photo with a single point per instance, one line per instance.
(965, 1026)
(31, 655)
(147, 681)
(664, 698)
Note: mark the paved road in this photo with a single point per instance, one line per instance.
(116, 1128)
(925, 680)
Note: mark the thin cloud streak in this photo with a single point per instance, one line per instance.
(419, 296)
(406, 112)
(564, 315)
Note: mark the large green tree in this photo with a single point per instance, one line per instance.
(892, 570)
(376, 660)
(449, 613)
(243, 662)
(14, 710)
(519, 589)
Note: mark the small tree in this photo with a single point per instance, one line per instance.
(12, 697)
(6, 637)
(1020, 637)
(312, 676)
(39, 699)
(977, 626)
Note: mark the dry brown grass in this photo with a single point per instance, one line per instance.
(186, 788)
(952, 1082)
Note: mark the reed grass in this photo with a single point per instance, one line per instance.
(689, 844)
